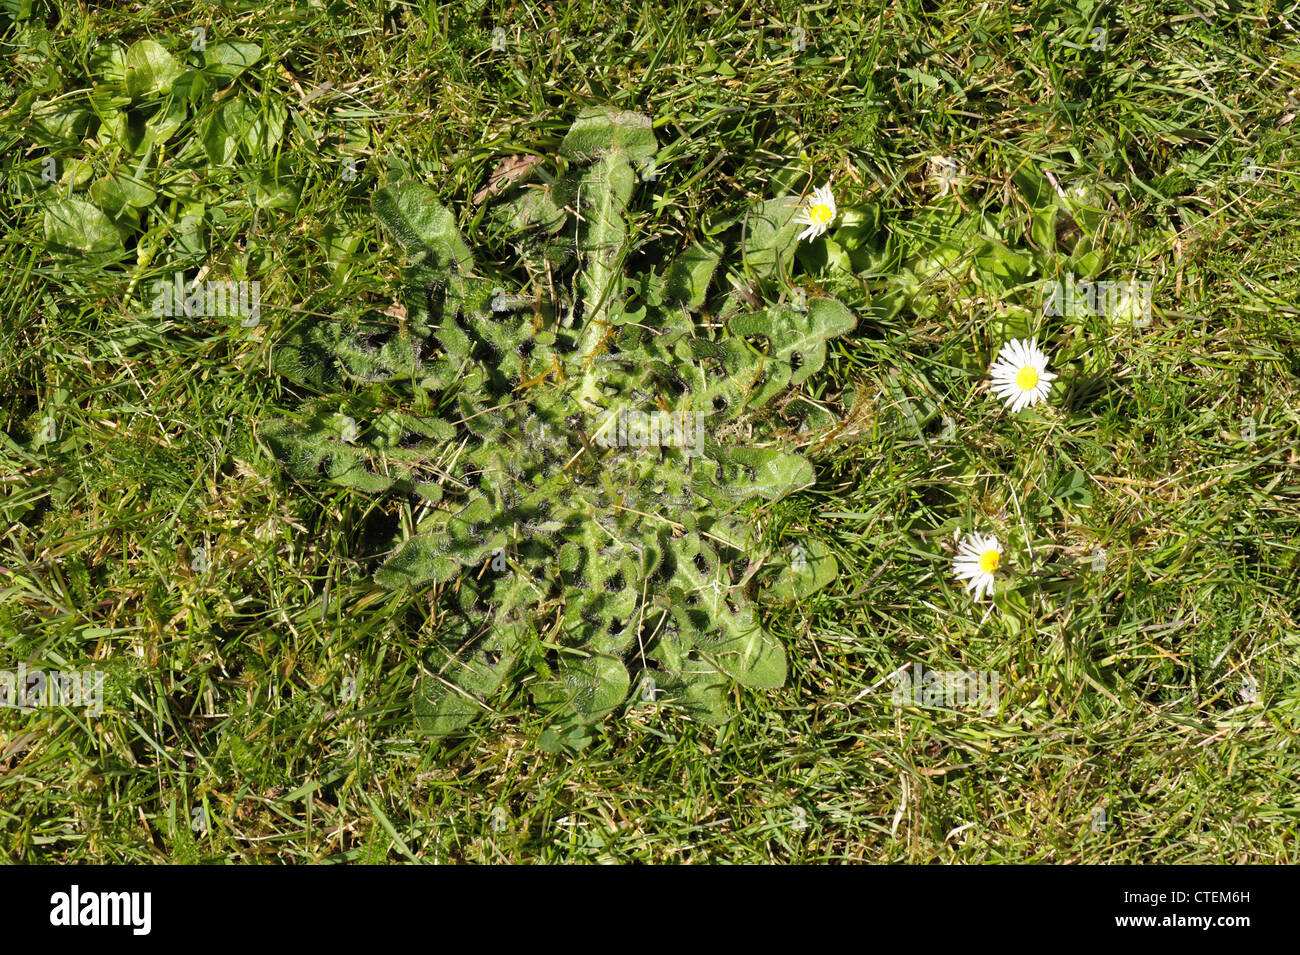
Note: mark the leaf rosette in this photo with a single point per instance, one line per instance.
(585, 454)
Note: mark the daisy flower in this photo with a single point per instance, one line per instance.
(977, 558)
(945, 174)
(818, 214)
(1020, 375)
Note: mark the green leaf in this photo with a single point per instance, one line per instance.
(1042, 228)
(806, 567)
(768, 473)
(108, 63)
(686, 280)
(1034, 186)
(76, 225)
(858, 227)
(273, 191)
(825, 256)
(149, 70)
(418, 560)
(745, 651)
(534, 207)
(568, 736)
(689, 680)
(603, 195)
(730, 636)
(453, 690)
(599, 131)
(770, 235)
(76, 173)
(226, 59)
(419, 223)
(931, 83)
(115, 194)
(1000, 267)
(238, 125)
(798, 339)
(592, 687)
(370, 460)
(64, 122)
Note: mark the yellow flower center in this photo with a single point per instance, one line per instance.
(1026, 378)
(821, 214)
(989, 561)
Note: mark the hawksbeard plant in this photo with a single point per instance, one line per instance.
(584, 439)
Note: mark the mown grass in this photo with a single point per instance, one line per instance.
(1121, 686)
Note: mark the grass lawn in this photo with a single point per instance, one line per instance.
(258, 683)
